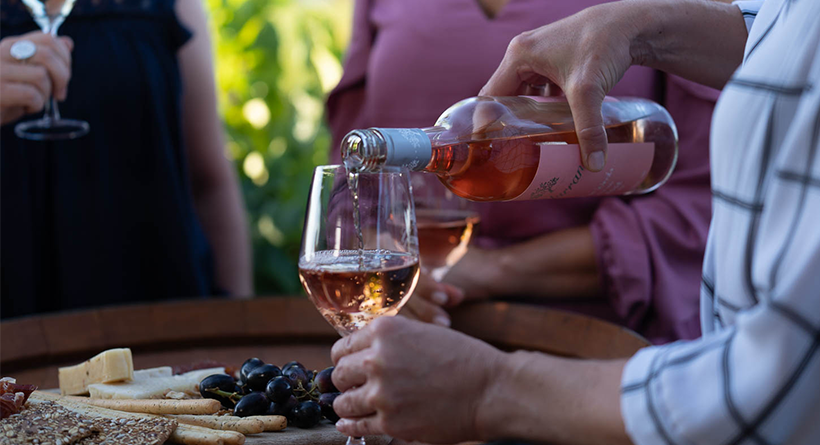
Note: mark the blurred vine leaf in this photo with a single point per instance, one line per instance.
(276, 60)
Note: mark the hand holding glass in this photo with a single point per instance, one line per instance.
(49, 15)
(351, 277)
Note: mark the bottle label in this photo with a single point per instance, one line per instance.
(407, 147)
(561, 175)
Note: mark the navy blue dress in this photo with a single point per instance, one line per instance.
(107, 218)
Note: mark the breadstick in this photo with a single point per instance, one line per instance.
(272, 423)
(224, 437)
(189, 436)
(244, 425)
(154, 406)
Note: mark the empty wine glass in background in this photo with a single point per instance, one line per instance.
(445, 222)
(49, 15)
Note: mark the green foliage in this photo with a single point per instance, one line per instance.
(275, 62)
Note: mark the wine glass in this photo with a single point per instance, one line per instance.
(445, 222)
(359, 258)
(49, 15)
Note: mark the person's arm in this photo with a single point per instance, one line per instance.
(699, 40)
(588, 53)
(556, 265)
(215, 187)
(559, 400)
(560, 264)
(420, 382)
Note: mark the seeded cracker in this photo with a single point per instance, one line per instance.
(112, 427)
(128, 431)
(44, 422)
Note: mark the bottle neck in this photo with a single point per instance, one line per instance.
(364, 150)
(370, 149)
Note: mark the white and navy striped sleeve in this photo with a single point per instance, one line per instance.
(754, 378)
(749, 9)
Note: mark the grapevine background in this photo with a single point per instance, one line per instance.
(276, 60)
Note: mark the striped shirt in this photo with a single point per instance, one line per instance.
(754, 376)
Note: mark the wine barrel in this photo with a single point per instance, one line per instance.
(276, 329)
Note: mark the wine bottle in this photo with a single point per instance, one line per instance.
(523, 148)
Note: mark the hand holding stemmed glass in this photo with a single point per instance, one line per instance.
(351, 286)
(32, 65)
(49, 15)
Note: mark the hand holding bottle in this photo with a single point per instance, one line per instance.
(588, 53)
(585, 55)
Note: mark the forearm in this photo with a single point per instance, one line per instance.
(549, 399)
(220, 210)
(215, 187)
(700, 40)
(556, 265)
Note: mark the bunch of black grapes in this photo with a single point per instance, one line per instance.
(303, 396)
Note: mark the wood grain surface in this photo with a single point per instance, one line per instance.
(324, 434)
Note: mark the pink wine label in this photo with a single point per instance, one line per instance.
(561, 175)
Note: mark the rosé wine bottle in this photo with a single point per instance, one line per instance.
(523, 148)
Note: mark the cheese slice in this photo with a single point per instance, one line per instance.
(152, 384)
(113, 365)
(162, 371)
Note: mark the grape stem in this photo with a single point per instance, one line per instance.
(229, 395)
(307, 394)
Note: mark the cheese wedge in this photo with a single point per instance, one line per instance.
(113, 365)
(148, 385)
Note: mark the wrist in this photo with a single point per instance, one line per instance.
(501, 410)
(644, 22)
(488, 272)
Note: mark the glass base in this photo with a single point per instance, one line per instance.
(51, 129)
(355, 441)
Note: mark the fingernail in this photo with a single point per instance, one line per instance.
(342, 424)
(595, 160)
(441, 320)
(439, 297)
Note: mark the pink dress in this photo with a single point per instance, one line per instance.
(410, 60)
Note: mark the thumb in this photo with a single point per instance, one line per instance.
(585, 103)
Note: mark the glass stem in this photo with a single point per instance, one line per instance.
(355, 441)
(52, 113)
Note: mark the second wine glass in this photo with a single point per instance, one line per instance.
(446, 224)
(49, 15)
